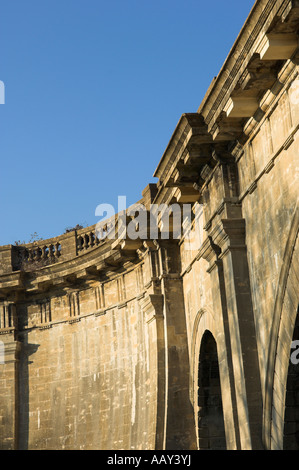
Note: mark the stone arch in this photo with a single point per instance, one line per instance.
(205, 322)
(211, 431)
(283, 325)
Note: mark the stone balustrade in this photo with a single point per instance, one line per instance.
(86, 239)
(42, 253)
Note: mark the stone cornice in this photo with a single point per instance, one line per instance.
(94, 265)
(189, 125)
(258, 22)
(235, 101)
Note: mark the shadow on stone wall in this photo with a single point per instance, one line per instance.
(27, 351)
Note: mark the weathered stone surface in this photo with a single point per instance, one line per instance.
(104, 342)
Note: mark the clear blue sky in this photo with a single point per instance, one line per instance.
(93, 92)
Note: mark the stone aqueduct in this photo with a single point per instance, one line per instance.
(159, 344)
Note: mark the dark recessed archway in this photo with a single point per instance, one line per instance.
(291, 416)
(211, 432)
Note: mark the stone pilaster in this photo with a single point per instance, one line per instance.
(163, 307)
(152, 308)
(210, 252)
(229, 235)
(180, 426)
(9, 393)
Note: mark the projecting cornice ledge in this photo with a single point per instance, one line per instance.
(190, 131)
(188, 160)
(268, 39)
(98, 264)
(266, 45)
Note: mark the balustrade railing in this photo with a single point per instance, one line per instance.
(86, 241)
(43, 253)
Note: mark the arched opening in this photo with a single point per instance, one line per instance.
(291, 416)
(211, 432)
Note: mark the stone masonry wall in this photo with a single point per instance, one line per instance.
(85, 385)
(85, 379)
